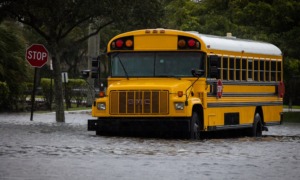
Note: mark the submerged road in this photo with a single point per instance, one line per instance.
(44, 149)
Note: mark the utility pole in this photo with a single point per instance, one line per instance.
(93, 52)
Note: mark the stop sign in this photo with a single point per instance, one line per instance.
(37, 55)
(219, 88)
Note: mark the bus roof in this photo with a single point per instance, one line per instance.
(237, 45)
(211, 42)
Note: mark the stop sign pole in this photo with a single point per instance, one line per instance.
(37, 57)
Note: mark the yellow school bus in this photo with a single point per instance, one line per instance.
(179, 81)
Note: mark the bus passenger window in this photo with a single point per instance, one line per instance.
(273, 70)
(238, 68)
(250, 61)
(267, 72)
(220, 67)
(244, 69)
(262, 70)
(278, 71)
(231, 69)
(255, 70)
(225, 68)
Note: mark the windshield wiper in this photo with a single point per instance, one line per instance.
(122, 65)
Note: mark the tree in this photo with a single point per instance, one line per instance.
(292, 79)
(13, 69)
(55, 20)
(181, 14)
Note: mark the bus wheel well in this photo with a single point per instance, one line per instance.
(260, 112)
(199, 109)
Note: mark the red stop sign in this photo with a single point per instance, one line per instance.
(219, 88)
(37, 55)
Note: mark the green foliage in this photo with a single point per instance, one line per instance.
(62, 25)
(75, 90)
(292, 79)
(56, 20)
(291, 117)
(13, 68)
(47, 91)
(181, 14)
(291, 67)
(4, 95)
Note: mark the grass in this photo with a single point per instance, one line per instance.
(73, 108)
(293, 117)
(78, 108)
(293, 107)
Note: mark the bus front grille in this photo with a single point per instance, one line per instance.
(139, 102)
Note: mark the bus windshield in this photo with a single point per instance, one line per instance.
(155, 64)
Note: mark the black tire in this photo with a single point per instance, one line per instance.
(99, 133)
(256, 130)
(102, 133)
(195, 126)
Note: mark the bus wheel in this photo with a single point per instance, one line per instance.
(195, 124)
(99, 133)
(102, 133)
(256, 130)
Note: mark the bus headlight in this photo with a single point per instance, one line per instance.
(179, 105)
(101, 106)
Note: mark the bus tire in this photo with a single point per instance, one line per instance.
(195, 126)
(99, 133)
(256, 130)
(102, 133)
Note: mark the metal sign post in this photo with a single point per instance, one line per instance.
(33, 94)
(37, 57)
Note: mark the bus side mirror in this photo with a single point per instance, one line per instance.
(197, 72)
(214, 66)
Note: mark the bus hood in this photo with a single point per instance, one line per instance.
(170, 84)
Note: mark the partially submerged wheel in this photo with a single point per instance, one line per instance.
(256, 130)
(195, 126)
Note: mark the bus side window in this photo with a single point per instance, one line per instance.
(220, 67)
(238, 69)
(231, 68)
(273, 70)
(244, 69)
(250, 69)
(278, 71)
(214, 66)
(255, 70)
(262, 69)
(225, 68)
(267, 70)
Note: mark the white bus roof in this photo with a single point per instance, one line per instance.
(238, 45)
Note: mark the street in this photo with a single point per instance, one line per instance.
(44, 149)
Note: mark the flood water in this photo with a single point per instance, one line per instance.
(44, 149)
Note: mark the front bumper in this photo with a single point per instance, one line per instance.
(139, 124)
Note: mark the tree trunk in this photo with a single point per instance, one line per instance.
(58, 94)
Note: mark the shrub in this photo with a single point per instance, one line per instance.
(4, 95)
(46, 91)
(75, 90)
